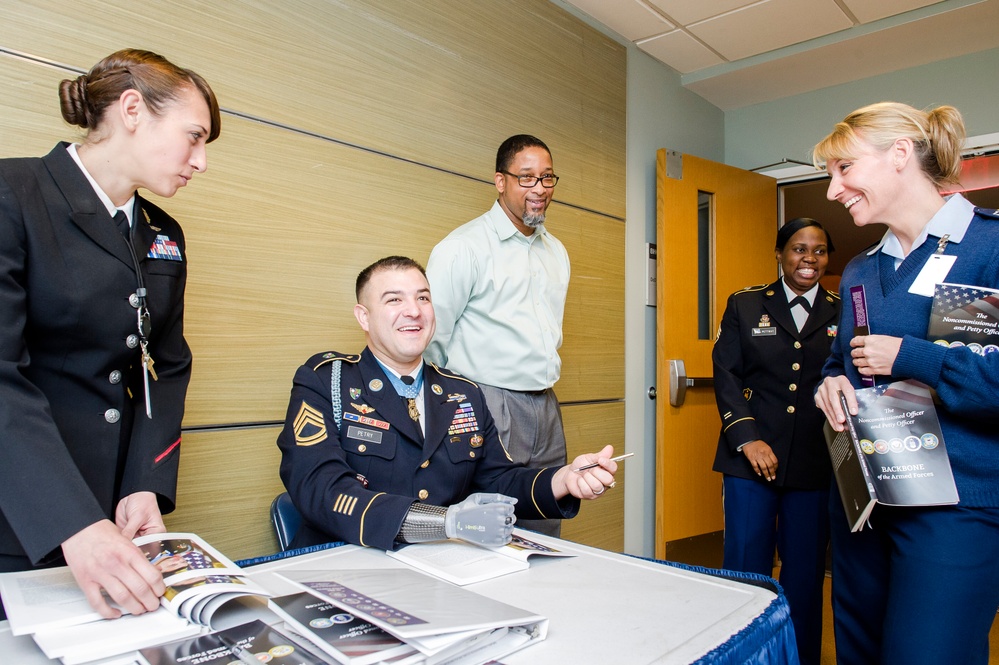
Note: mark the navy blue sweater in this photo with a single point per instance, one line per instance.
(967, 384)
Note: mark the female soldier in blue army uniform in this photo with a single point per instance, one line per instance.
(768, 359)
(381, 448)
(92, 281)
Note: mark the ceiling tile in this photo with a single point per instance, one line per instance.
(770, 25)
(907, 45)
(867, 11)
(686, 12)
(680, 51)
(631, 19)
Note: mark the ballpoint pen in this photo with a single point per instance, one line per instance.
(612, 459)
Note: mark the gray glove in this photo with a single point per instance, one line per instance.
(483, 519)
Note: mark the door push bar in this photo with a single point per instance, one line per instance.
(679, 382)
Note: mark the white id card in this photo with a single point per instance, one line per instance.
(934, 271)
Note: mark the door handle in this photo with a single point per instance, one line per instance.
(679, 382)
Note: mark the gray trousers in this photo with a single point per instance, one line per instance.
(530, 426)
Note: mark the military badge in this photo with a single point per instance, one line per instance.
(456, 397)
(309, 426)
(363, 408)
(464, 420)
(764, 321)
(364, 420)
(327, 356)
(832, 330)
(355, 393)
(375, 384)
(747, 393)
(476, 441)
(164, 248)
(437, 389)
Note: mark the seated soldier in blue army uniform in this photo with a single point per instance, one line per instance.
(381, 449)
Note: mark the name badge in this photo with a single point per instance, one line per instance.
(361, 434)
(769, 331)
(934, 271)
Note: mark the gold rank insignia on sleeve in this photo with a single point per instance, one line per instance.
(310, 428)
(345, 504)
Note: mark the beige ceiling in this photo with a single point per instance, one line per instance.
(735, 53)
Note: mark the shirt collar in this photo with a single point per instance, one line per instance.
(105, 199)
(396, 379)
(505, 229)
(953, 219)
(809, 295)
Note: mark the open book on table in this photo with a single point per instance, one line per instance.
(891, 452)
(49, 605)
(444, 622)
(463, 563)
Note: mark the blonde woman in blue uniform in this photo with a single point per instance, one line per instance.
(93, 363)
(768, 357)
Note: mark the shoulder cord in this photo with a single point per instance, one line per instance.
(335, 393)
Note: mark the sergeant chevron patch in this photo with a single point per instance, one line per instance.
(310, 428)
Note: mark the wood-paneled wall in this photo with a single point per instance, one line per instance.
(352, 129)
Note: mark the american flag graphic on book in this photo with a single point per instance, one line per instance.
(965, 315)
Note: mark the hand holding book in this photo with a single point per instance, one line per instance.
(827, 398)
(874, 355)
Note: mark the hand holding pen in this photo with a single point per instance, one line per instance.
(585, 478)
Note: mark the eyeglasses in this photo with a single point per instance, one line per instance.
(547, 181)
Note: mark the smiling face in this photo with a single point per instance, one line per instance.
(804, 258)
(525, 206)
(867, 184)
(172, 144)
(397, 316)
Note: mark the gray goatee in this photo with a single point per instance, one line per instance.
(534, 220)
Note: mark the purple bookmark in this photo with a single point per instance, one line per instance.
(861, 326)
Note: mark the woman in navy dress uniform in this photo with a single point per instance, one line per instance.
(93, 363)
(768, 357)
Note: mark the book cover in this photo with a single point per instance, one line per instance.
(898, 454)
(253, 642)
(339, 633)
(464, 563)
(964, 315)
(413, 606)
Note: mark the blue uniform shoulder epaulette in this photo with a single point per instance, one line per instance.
(991, 213)
(320, 359)
(451, 374)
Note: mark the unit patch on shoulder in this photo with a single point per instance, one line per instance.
(310, 428)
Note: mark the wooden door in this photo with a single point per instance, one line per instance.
(716, 227)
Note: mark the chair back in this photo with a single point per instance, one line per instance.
(285, 518)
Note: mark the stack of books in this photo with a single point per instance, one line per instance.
(366, 616)
(49, 605)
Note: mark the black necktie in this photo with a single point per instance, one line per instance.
(800, 300)
(121, 219)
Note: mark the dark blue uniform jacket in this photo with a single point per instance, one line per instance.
(765, 374)
(355, 483)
